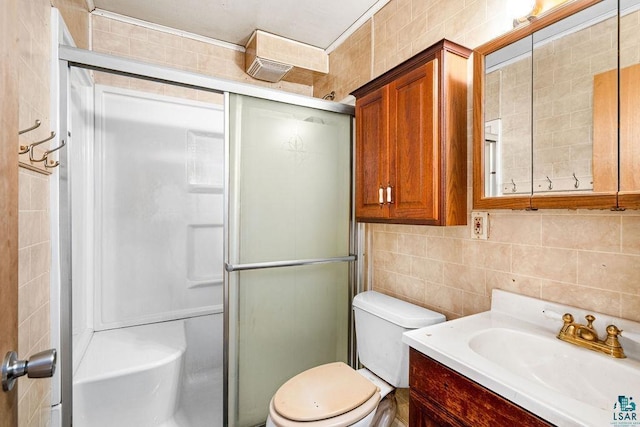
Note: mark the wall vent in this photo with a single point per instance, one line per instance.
(268, 70)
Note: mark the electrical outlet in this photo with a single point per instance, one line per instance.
(479, 225)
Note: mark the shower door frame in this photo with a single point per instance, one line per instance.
(68, 57)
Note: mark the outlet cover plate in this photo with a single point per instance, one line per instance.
(480, 225)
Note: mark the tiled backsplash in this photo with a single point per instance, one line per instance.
(588, 259)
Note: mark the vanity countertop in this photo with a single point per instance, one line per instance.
(513, 351)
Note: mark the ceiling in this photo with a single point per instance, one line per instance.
(315, 22)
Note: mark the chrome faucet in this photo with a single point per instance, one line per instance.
(587, 337)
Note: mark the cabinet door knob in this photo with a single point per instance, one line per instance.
(381, 195)
(389, 198)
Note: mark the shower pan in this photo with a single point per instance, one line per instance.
(204, 244)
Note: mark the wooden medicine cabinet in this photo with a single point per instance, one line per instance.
(411, 140)
(547, 106)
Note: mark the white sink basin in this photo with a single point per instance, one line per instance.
(594, 378)
(513, 351)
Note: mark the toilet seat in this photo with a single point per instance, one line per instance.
(331, 395)
(343, 420)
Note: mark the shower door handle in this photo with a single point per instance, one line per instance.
(40, 365)
(290, 263)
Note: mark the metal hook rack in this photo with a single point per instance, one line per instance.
(24, 149)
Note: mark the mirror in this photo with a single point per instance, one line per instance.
(507, 120)
(545, 111)
(575, 60)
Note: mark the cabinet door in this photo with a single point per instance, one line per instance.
(423, 413)
(372, 154)
(415, 157)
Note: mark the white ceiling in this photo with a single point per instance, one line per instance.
(315, 22)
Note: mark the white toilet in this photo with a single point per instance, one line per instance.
(335, 395)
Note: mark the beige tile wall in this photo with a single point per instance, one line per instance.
(76, 17)
(33, 230)
(34, 54)
(33, 293)
(349, 65)
(585, 258)
(405, 27)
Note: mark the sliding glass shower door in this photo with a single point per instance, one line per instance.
(287, 261)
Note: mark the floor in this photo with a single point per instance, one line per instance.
(402, 414)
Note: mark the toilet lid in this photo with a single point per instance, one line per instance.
(322, 392)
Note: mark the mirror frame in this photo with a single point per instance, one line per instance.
(531, 201)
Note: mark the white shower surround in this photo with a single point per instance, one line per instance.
(148, 218)
(159, 175)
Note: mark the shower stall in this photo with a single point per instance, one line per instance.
(203, 248)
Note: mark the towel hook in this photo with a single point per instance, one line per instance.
(50, 163)
(515, 188)
(550, 187)
(577, 184)
(53, 134)
(35, 126)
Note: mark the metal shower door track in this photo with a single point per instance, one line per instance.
(162, 73)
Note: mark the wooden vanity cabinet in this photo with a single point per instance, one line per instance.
(411, 141)
(441, 397)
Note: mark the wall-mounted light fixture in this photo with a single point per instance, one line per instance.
(528, 10)
(521, 10)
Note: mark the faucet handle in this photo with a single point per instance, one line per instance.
(590, 318)
(612, 343)
(613, 331)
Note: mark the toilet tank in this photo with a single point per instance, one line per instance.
(380, 322)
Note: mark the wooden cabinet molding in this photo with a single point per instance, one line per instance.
(411, 140)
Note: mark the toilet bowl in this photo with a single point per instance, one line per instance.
(336, 395)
